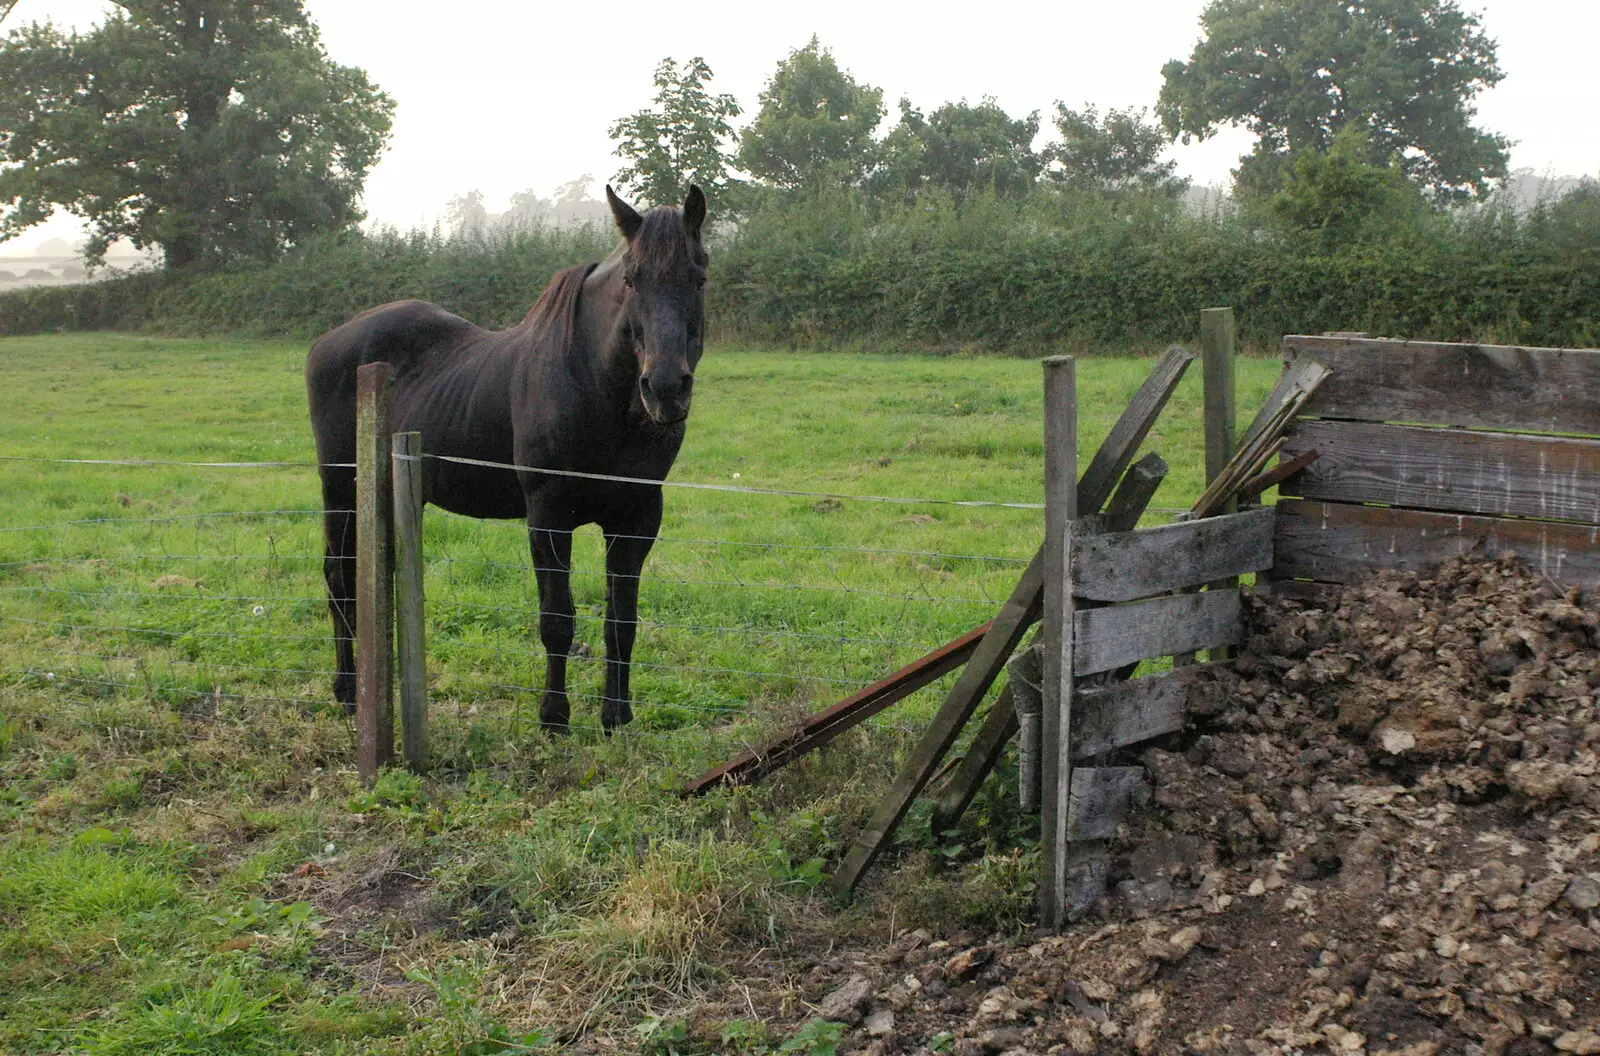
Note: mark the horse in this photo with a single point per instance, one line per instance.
(596, 379)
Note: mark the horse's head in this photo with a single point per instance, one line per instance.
(663, 300)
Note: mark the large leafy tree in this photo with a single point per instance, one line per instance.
(960, 148)
(1112, 154)
(815, 123)
(681, 140)
(1295, 72)
(214, 129)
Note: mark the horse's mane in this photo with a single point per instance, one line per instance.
(554, 316)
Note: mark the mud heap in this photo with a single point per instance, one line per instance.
(1380, 835)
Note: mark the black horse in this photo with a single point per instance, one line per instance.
(597, 379)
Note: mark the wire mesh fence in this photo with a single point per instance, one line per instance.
(755, 607)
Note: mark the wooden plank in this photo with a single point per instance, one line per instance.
(1123, 566)
(1057, 637)
(1138, 487)
(1279, 473)
(1124, 713)
(1334, 542)
(1102, 798)
(1122, 634)
(1021, 611)
(754, 763)
(1494, 474)
(374, 573)
(1303, 374)
(409, 623)
(1123, 441)
(1133, 495)
(1528, 390)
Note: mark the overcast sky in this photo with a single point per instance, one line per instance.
(505, 95)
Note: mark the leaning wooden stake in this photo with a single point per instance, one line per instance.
(374, 573)
(412, 648)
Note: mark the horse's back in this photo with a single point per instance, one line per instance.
(400, 333)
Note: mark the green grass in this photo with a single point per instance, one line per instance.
(174, 779)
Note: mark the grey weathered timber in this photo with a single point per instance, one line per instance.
(999, 726)
(1122, 634)
(1124, 713)
(1122, 513)
(1334, 542)
(1133, 495)
(1221, 397)
(1131, 427)
(1025, 679)
(1494, 474)
(1303, 374)
(1279, 473)
(1056, 637)
(374, 572)
(1021, 611)
(1532, 390)
(1101, 799)
(411, 641)
(1124, 566)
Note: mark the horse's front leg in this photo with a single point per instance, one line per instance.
(625, 555)
(552, 565)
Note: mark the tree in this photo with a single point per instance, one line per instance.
(1117, 153)
(815, 123)
(959, 148)
(1340, 196)
(680, 141)
(467, 215)
(215, 129)
(1295, 72)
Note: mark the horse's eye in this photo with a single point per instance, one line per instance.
(627, 280)
(700, 282)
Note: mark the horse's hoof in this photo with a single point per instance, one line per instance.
(555, 728)
(614, 713)
(344, 691)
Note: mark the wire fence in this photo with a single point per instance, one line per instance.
(756, 606)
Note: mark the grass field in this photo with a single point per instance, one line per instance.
(188, 864)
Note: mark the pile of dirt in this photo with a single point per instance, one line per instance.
(1381, 835)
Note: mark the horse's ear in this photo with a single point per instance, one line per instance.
(628, 219)
(694, 210)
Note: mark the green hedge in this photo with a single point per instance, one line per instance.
(1045, 273)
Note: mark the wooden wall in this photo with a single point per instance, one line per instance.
(1428, 450)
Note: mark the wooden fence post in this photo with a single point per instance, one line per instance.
(1221, 406)
(411, 645)
(1216, 360)
(374, 573)
(1061, 510)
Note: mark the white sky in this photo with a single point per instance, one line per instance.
(502, 96)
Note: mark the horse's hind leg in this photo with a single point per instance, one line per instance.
(625, 555)
(339, 572)
(552, 565)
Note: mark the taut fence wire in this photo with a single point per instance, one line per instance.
(756, 606)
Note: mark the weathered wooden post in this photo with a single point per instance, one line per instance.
(411, 644)
(374, 573)
(1061, 511)
(1216, 360)
(1221, 406)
